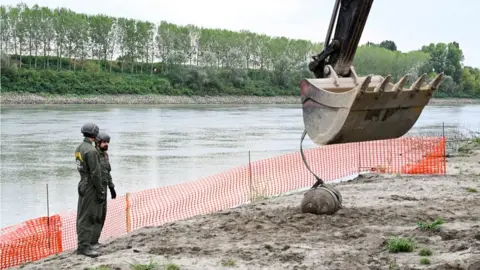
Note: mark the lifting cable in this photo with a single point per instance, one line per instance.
(319, 182)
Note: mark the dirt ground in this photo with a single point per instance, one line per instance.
(274, 234)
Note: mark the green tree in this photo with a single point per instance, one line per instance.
(389, 45)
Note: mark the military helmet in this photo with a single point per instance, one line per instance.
(90, 130)
(103, 137)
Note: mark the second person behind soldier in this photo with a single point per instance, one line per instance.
(101, 144)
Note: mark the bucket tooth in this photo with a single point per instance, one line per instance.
(382, 86)
(433, 85)
(399, 85)
(418, 83)
(363, 87)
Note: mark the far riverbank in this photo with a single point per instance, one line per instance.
(24, 99)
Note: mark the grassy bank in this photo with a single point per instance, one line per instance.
(25, 99)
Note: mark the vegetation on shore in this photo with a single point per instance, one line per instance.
(13, 98)
(59, 51)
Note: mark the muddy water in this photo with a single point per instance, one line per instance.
(152, 146)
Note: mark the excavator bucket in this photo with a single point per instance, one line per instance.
(355, 109)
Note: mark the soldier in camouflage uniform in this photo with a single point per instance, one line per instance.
(101, 142)
(90, 190)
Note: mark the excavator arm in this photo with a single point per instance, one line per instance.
(341, 107)
(339, 53)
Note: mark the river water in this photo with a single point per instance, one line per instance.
(152, 146)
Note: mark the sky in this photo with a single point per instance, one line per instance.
(410, 23)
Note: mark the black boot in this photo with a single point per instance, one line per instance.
(88, 252)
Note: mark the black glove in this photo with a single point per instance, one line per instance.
(113, 193)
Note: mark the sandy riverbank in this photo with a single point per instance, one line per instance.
(273, 234)
(12, 99)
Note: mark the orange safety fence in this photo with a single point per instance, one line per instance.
(30, 241)
(36, 239)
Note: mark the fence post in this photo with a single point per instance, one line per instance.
(250, 176)
(127, 209)
(48, 222)
(444, 150)
(359, 159)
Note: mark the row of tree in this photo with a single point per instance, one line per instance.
(35, 31)
(42, 38)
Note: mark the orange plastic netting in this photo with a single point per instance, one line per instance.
(31, 240)
(37, 238)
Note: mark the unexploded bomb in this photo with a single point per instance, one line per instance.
(321, 201)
